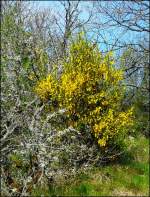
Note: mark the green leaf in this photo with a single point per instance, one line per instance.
(26, 62)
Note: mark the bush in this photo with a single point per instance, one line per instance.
(90, 89)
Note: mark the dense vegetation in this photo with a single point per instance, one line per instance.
(74, 106)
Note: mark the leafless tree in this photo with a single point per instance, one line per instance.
(128, 23)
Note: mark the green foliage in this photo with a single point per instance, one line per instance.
(135, 62)
(141, 105)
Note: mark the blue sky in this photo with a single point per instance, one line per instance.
(108, 35)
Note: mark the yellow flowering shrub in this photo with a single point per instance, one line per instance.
(91, 91)
(46, 88)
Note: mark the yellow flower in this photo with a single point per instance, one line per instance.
(105, 103)
(102, 142)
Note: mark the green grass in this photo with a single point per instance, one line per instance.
(129, 177)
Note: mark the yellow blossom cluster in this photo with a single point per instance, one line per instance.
(46, 88)
(111, 124)
(90, 88)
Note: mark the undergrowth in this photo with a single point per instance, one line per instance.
(127, 177)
